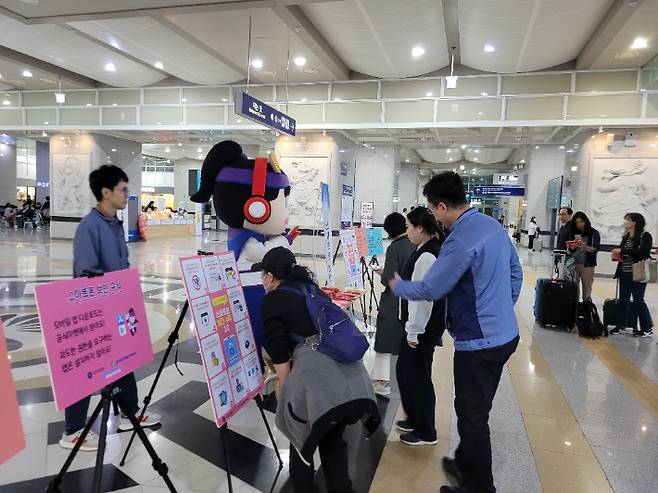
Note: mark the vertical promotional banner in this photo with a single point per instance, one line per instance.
(328, 239)
(95, 331)
(367, 211)
(346, 207)
(361, 241)
(11, 427)
(351, 258)
(223, 329)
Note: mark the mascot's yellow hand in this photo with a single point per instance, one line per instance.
(274, 162)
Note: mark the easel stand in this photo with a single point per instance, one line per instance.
(109, 396)
(173, 337)
(223, 431)
(372, 295)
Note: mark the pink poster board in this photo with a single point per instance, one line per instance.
(11, 427)
(223, 330)
(95, 331)
(361, 241)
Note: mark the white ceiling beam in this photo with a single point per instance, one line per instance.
(147, 12)
(376, 37)
(301, 25)
(614, 21)
(534, 15)
(498, 135)
(176, 29)
(23, 59)
(108, 46)
(553, 134)
(573, 134)
(451, 23)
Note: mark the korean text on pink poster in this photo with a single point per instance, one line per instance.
(95, 331)
(223, 330)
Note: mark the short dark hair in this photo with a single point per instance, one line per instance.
(107, 176)
(568, 209)
(395, 224)
(638, 219)
(421, 216)
(446, 187)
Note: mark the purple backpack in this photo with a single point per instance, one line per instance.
(339, 337)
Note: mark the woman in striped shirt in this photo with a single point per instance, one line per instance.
(635, 246)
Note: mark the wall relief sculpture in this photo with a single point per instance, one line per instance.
(305, 174)
(70, 173)
(619, 186)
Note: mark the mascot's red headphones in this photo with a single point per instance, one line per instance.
(258, 209)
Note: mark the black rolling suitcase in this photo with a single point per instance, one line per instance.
(611, 310)
(555, 303)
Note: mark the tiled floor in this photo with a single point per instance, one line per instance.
(570, 415)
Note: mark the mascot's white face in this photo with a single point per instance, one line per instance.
(278, 221)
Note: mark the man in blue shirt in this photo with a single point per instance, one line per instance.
(479, 271)
(99, 246)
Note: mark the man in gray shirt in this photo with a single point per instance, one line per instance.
(99, 246)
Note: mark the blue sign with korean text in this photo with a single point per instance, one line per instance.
(259, 112)
(499, 191)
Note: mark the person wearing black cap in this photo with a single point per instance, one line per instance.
(390, 331)
(319, 396)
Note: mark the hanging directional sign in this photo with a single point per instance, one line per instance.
(499, 191)
(259, 112)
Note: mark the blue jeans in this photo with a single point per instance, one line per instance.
(75, 416)
(628, 287)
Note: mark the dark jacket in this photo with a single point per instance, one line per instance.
(436, 324)
(594, 241)
(563, 235)
(640, 250)
(390, 331)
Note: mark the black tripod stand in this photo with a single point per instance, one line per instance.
(372, 296)
(109, 396)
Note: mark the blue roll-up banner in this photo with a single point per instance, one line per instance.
(328, 240)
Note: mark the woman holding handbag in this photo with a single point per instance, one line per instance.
(635, 247)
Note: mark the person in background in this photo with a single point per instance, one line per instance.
(479, 270)
(98, 247)
(46, 204)
(635, 246)
(10, 215)
(319, 396)
(390, 330)
(424, 324)
(564, 233)
(45, 210)
(532, 233)
(517, 234)
(585, 252)
(150, 207)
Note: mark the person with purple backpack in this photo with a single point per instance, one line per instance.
(324, 384)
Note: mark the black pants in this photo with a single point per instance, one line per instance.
(333, 455)
(477, 374)
(531, 242)
(414, 374)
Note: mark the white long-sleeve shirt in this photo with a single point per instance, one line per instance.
(421, 310)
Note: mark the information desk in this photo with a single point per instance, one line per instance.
(169, 228)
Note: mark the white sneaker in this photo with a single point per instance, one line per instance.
(149, 419)
(89, 445)
(382, 388)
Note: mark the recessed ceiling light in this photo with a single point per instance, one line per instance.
(300, 61)
(450, 159)
(561, 147)
(593, 137)
(303, 100)
(574, 168)
(480, 113)
(429, 94)
(167, 149)
(179, 144)
(110, 67)
(477, 151)
(639, 44)
(158, 65)
(407, 160)
(26, 73)
(0, 76)
(113, 150)
(536, 147)
(115, 44)
(199, 150)
(462, 167)
(224, 99)
(114, 104)
(475, 159)
(88, 104)
(489, 48)
(258, 63)
(448, 151)
(417, 51)
(483, 93)
(464, 146)
(522, 161)
(6, 102)
(652, 145)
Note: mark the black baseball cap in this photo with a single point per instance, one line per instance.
(278, 261)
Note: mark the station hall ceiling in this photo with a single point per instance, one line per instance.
(94, 43)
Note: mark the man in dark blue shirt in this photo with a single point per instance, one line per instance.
(99, 246)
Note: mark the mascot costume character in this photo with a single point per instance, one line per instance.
(250, 196)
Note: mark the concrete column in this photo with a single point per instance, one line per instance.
(546, 163)
(7, 172)
(375, 169)
(408, 186)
